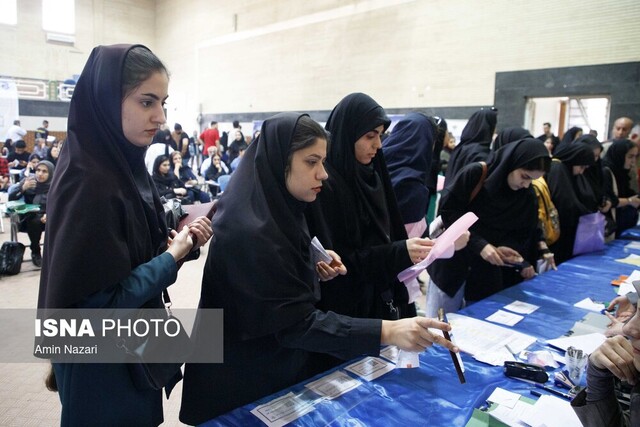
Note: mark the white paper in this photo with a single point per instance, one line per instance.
(551, 411)
(319, 252)
(625, 288)
(587, 343)
(390, 353)
(632, 259)
(521, 307)
(588, 304)
(408, 359)
(496, 357)
(283, 410)
(370, 368)
(512, 416)
(333, 385)
(633, 246)
(504, 397)
(477, 337)
(504, 318)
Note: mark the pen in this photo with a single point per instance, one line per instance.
(552, 391)
(457, 361)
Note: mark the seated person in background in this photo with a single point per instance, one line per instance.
(40, 148)
(161, 145)
(19, 158)
(30, 170)
(34, 189)
(5, 180)
(236, 161)
(206, 163)
(168, 185)
(53, 154)
(616, 359)
(8, 147)
(188, 178)
(236, 145)
(214, 172)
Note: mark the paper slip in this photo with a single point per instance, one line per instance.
(408, 359)
(504, 318)
(495, 357)
(283, 410)
(633, 246)
(370, 368)
(512, 416)
(504, 397)
(632, 259)
(390, 353)
(587, 343)
(521, 307)
(588, 304)
(333, 385)
(319, 253)
(551, 411)
(478, 337)
(625, 288)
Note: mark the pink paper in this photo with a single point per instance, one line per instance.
(440, 183)
(441, 246)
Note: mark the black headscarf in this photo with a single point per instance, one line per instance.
(614, 160)
(568, 138)
(508, 135)
(590, 183)
(408, 154)
(474, 142)
(575, 155)
(259, 267)
(104, 217)
(355, 115)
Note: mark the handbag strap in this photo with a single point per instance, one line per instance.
(478, 186)
(614, 184)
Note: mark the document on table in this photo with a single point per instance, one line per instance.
(627, 285)
(633, 246)
(587, 343)
(632, 259)
(521, 307)
(478, 337)
(284, 409)
(551, 411)
(390, 353)
(333, 385)
(370, 368)
(504, 318)
(589, 304)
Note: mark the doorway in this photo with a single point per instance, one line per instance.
(591, 113)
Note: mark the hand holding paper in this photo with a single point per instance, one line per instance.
(442, 245)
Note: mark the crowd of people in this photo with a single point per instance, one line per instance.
(365, 199)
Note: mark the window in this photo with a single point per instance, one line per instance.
(58, 16)
(8, 12)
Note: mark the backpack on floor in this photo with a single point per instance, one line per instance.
(11, 254)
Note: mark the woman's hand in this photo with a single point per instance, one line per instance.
(180, 191)
(201, 230)
(331, 270)
(43, 219)
(413, 334)
(419, 248)
(527, 273)
(615, 327)
(490, 254)
(509, 255)
(179, 244)
(461, 242)
(616, 355)
(604, 208)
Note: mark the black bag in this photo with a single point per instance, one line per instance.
(11, 254)
(154, 376)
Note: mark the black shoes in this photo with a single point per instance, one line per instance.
(36, 259)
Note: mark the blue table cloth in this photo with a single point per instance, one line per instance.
(431, 394)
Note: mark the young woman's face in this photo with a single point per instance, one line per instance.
(34, 162)
(216, 160)
(177, 159)
(55, 151)
(368, 145)
(596, 153)
(42, 173)
(579, 169)
(306, 171)
(164, 167)
(142, 110)
(549, 144)
(521, 178)
(630, 158)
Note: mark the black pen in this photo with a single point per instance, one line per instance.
(551, 390)
(457, 360)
